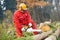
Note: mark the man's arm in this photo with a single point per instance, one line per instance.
(18, 25)
(32, 22)
(16, 21)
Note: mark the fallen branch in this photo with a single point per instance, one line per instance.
(42, 36)
(54, 35)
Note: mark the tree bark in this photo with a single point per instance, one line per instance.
(54, 36)
(45, 35)
(42, 36)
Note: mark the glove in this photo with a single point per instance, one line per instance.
(29, 24)
(23, 29)
(29, 30)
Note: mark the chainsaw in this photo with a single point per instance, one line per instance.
(33, 30)
(30, 29)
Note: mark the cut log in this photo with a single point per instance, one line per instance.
(54, 35)
(42, 35)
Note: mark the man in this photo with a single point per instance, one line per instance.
(22, 17)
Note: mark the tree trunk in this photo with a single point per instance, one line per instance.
(54, 36)
(42, 36)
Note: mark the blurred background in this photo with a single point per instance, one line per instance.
(40, 10)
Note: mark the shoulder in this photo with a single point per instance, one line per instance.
(17, 12)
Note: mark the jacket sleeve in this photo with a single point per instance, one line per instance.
(34, 26)
(17, 24)
(33, 23)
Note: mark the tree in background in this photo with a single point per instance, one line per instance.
(10, 4)
(1, 14)
(39, 9)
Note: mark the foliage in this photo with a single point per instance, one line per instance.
(4, 34)
(58, 38)
(55, 25)
(25, 38)
(7, 30)
(9, 34)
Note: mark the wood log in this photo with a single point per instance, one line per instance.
(42, 35)
(54, 35)
(59, 32)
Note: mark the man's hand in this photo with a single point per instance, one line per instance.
(29, 30)
(30, 24)
(23, 29)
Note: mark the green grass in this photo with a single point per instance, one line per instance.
(58, 38)
(5, 35)
(7, 25)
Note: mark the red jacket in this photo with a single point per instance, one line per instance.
(22, 18)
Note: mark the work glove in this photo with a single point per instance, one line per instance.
(23, 29)
(30, 24)
(29, 30)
